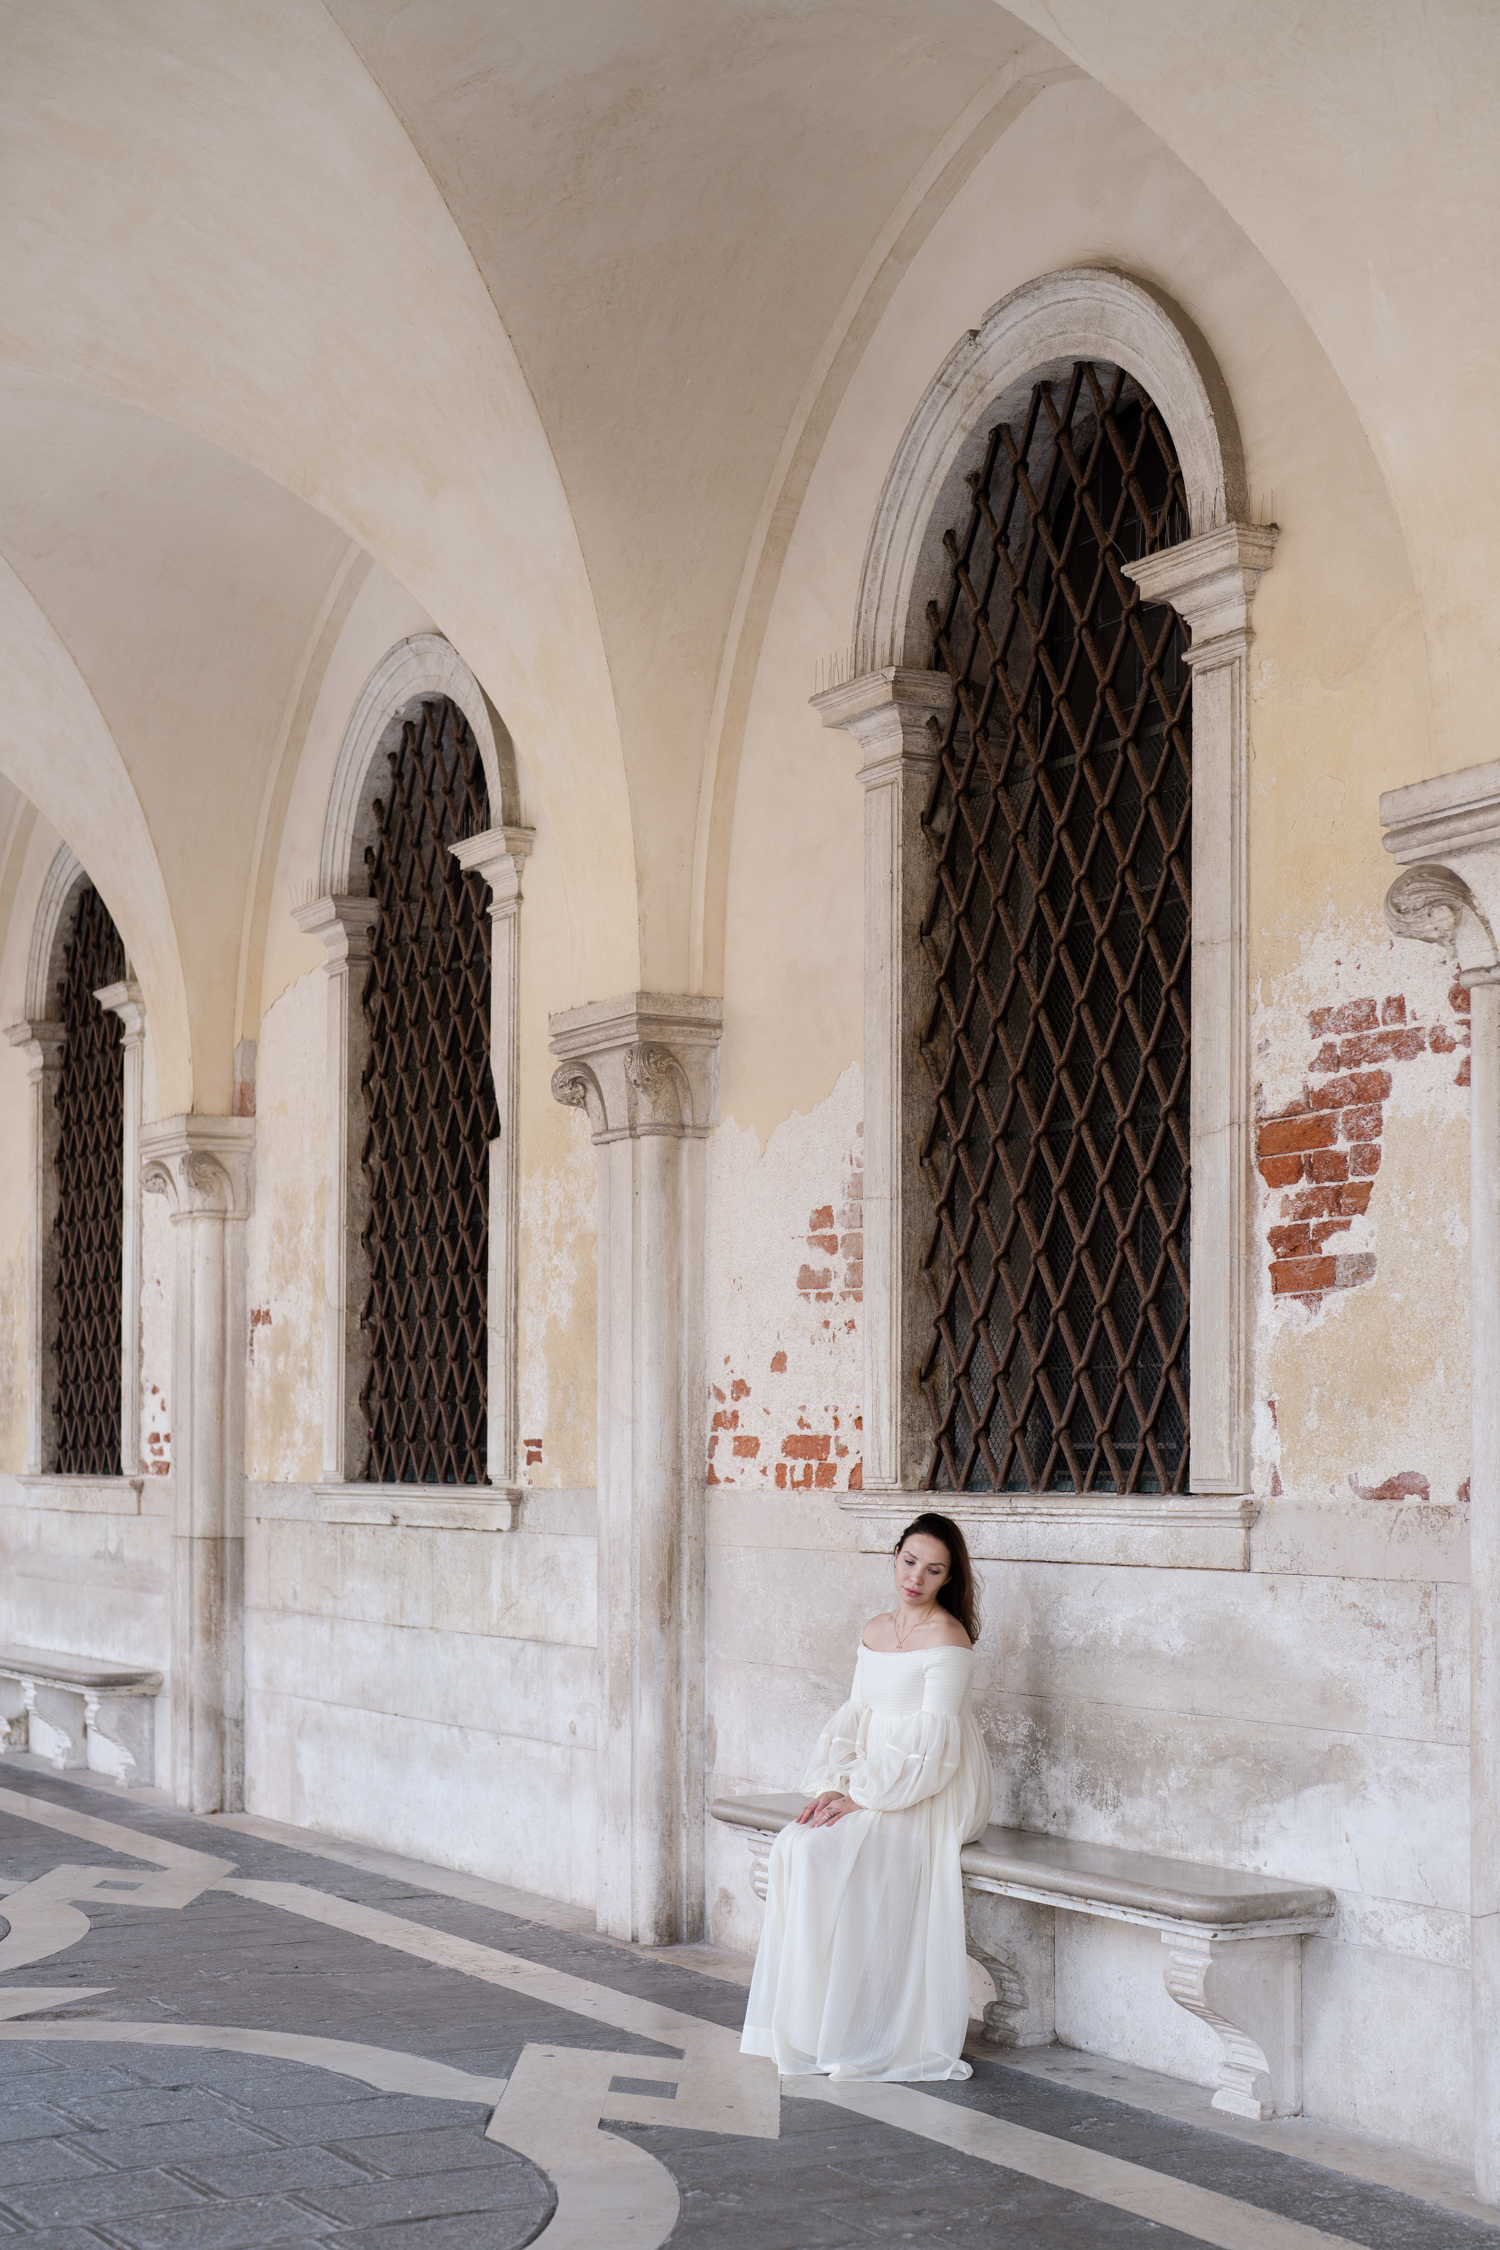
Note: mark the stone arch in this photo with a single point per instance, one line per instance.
(425, 665)
(61, 884)
(1088, 313)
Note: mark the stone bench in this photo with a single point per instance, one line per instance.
(89, 1714)
(1234, 1941)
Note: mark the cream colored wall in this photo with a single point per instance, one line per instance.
(1307, 1716)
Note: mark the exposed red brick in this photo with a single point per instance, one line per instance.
(1290, 1242)
(1355, 1198)
(1323, 1228)
(1326, 1058)
(1359, 1086)
(1381, 1046)
(826, 1472)
(1441, 1041)
(1364, 1161)
(1458, 999)
(854, 1276)
(1361, 1124)
(739, 1388)
(1353, 1269)
(1461, 1075)
(827, 1243)
(821, 1220)
(1280, 1136)
(1281, 1171)
(1393, 1010)
(746, 1448)
(809, 1280)
(809, 1448)
(1406, 1484)
(857, 1478)
(778, 1363)
(1353, 1015)
(1293, 1275)
(1277, 1488)
(726, 1421)
(1326, 1164)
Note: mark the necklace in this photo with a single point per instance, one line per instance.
(903, 1638)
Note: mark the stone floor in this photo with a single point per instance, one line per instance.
(216, 2035)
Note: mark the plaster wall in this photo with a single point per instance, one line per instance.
(1306, 1716)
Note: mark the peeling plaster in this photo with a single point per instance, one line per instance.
(785, 1299)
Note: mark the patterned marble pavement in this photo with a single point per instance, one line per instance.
(213, 2040)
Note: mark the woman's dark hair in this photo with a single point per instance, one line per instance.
(956, 1594)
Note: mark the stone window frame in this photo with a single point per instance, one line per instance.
(422, 667)
(41, 1036)
(1210, 579)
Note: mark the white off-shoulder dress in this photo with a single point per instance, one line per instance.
(861, 1971)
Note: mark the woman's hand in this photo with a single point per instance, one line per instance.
(825, 1810)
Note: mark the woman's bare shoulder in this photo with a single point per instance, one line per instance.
(952, 1635)
(879, 1633)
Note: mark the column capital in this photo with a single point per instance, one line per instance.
(1210, 582)
(646, 1064)
(44, 1043)
(200, 1164)
(887, 712)
(497, 856)
(125, 1001)
(1445, 834)
(344, 926)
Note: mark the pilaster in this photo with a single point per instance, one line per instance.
(1210, 582)
(202, 1165)
(345, 927)
(1446, 835)
(888, 714)
(43, 1042)
(645, 1070)
(125, 1001)
(498, 857)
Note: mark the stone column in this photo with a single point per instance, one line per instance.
(43, 1043)
(1446, 833)
(645, 1068)
(1210, 582)
(888, 712)
(124, 1000)
(202, 1165)
(498, 856)
(345, 927)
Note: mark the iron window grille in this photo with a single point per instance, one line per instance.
(1057, 936)
(90, 1224)
(430, 1106)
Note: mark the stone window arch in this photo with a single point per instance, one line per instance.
(423, 769)
(1042, 333)
(83, 1034)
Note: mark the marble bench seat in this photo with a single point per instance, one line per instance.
(1233, 1939)
(77, 1711)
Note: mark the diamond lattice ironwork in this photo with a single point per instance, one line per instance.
(430, 1102)
(89, 1229)
(1057, 935)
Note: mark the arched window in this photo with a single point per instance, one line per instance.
(88, 1231)
(431, 1111)
(1057, 939)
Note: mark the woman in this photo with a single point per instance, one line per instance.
(862, 1971)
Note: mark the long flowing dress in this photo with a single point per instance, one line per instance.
(861, 1971)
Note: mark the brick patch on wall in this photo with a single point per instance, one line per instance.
(771, 1441)
(1323, 1150)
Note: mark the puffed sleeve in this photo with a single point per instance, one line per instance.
(839, 1748)
(921, 1755)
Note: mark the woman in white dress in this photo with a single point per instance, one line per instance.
(862, 1970)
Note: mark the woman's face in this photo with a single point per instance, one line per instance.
(921, 1568)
